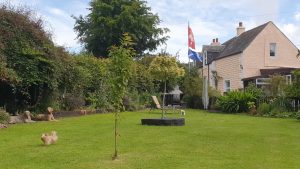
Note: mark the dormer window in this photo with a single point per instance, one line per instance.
(272, 49)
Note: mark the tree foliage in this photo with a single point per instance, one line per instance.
(121, 70)
(277, 85)
(165, 68)
(109, 20)
(30, 62)
(293, 90)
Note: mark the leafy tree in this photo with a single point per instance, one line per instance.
(30, 63)
(192, 88)
(293, 90)
(141, 81)
(165, 69)
(121, 70)
(109, 20)
(7, 74)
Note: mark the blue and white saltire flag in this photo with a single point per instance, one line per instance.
(194, 55)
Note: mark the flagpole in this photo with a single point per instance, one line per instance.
(205, 98)
(188, 48)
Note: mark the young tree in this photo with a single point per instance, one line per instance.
(109, 20)
(165, 69)
(121, 66)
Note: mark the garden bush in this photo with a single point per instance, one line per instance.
(4, 116)
(279, 107)
(255, 91)
(264, 108)
(72, 102)
(193, 101)
(297, 115)
(281, 103)
(235, 102)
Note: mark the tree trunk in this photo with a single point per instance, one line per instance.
(115, 156)
(164, 97)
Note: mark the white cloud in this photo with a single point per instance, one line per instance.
(58, 12)
(297, 16)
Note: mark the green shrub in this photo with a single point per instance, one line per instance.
(255, 91)
(137, 101)
(72, 102)
(279, 113)
(264, 108)
(193, 101)
(282, 104)
(235, 102)
(4, 116)
(297, 115)
(276, 112)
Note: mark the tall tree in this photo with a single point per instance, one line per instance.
(108, 20)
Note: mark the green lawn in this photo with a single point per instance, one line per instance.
(209, 140)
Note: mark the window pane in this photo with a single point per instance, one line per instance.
(272, 49)
(227, 85)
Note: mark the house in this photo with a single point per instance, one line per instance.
(250, 56)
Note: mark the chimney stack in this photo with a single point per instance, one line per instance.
(215, 42)
(240, 29)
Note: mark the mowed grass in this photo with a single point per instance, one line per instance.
(208, 140)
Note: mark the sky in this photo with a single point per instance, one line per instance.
(208, 19)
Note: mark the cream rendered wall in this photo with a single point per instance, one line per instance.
(228, 68)
(257, 55)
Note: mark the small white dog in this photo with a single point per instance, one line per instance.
(49, 138)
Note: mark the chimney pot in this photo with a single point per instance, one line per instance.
(214, 40)
(240, 29)
(217, 40)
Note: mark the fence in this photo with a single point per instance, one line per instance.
(291, 104)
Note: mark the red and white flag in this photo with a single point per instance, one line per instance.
(191, 39)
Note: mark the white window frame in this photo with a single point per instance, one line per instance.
(275, 49)
(226, 88)
(288, 79)
(264, 81)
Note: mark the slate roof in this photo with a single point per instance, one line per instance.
(239, 43)
(234, 45)
(213, 51)
(281, 70)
